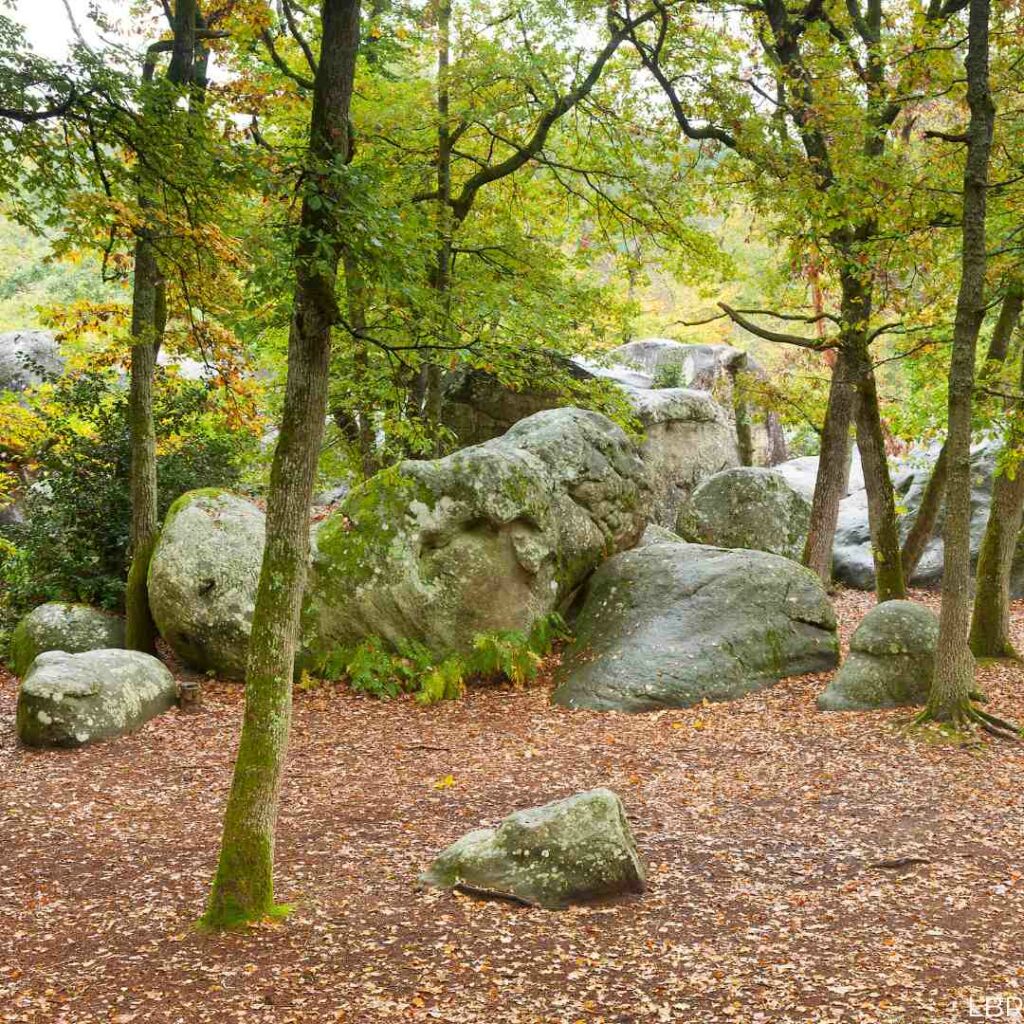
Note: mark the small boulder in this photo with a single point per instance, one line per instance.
(670, 625)
(747, 507)
(655, 534)
(891, 661)
(566, 852)
(71, 628)
(68, 700)
(203, 578)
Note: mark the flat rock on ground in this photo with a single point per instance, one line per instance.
(764, 823)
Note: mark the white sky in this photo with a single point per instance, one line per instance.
(46, 21)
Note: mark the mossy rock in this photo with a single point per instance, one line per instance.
(203, 578)
(493, 537)
(63, 627)
(70, 700)
(891, 661)
(674, 624)
(747, 507)
(570, 851)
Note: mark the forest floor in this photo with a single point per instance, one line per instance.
(777, 839)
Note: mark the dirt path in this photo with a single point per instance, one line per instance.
(763, 823)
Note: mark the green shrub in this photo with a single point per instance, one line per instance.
(374, 668)
(73, 542)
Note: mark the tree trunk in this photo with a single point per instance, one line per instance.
(833, 471)
(149, 315)
(885, 538)
(140, 630)
(923, 528)
(243, 888)
(949, 700)
(990, 623)
(1009, 317)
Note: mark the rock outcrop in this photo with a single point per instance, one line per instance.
(492, 537)
(28, 357)
(203, 578)
(747, 507)
(71, 628)
(670, 625)
(69, 700)
(891, 660)
(687, 438)
(570, 851)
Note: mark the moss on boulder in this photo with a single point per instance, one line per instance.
(203, 578)
(566, 852)
(493, 537)
(63, 627)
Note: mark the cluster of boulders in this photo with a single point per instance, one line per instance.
(679, 566)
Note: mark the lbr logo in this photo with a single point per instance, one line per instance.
(1008, 1008)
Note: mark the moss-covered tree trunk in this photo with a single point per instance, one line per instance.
(885, 538)
(243, 887)
(990, 622)
(833, 471)
(923, 528)
(949, 699)
(149, 315)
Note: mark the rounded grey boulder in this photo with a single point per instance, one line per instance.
(670, 625)
(203, 578)
(71, 628)
(747, 507)
(891, 661)
(68, 700)
(493, 537)
(565, 852)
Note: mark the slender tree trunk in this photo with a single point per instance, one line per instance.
(923, 528)
(1009, 317)
(949, 699)
(355, 290)
(885, 538)
(243, 888)
(990, 622)
(140, 630)
(149, 315)
(833, 471)
(441, 280)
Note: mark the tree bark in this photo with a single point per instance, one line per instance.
(885, 538)
(1009, 317)
(923, 528)
(949, 699)
(990, 622)
(833, 471)
(243, 888)
(149, 315)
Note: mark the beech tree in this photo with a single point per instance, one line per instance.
(243, 887)
(813, 107)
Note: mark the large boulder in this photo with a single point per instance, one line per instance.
(477, 406)
(28, 357)
(687, 437)
(891, 661)
(566, 852)
(490, 538)
(853, 564)
(68, 700)
(802, 474)
(747, 507)
(717, 369)
(203, 578)
(670, 625)
(71, 628)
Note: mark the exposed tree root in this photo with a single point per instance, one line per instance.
(967, 717)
